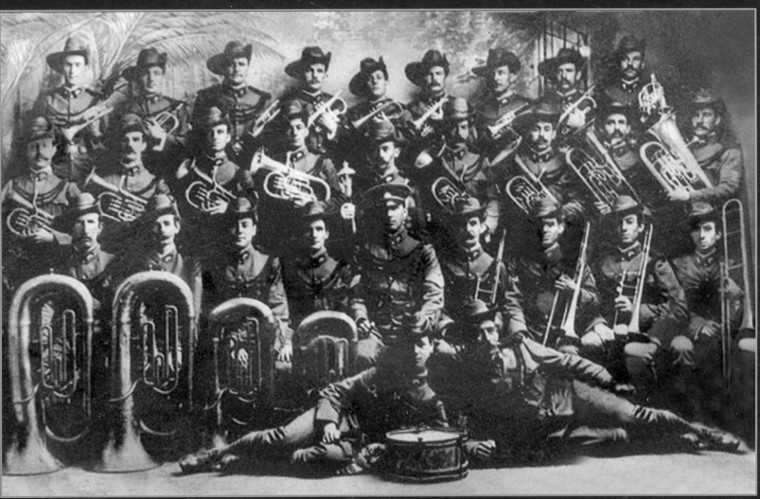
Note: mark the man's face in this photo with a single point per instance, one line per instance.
(74, 69)
(86, 230)
(296, 133)
(376, 84)
(458, 132)
(629, 229)
(384, 155)
(314, 76)
(151, 79)
(316, 235)
(132, 145)
(422, 351)
(551, 230)
(471, 230)
(434, 80)
(705, 236)
(40, 152)
(243, 232)
(704, 121)
(394, 216)
(616, 128)
(236, 70)
(217, 138)
(489, 333)
(165, 228)
(542, 135)
(631, 65)
(566, 76)
(500, 79)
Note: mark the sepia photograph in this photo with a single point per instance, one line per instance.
(378, 252)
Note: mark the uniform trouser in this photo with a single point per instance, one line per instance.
(298, 440)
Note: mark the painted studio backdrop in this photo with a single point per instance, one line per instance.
(686, 50)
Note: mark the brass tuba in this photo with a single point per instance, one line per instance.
(27, 218)
(205, 193)
(284, 182)
(152, 350)
(115, 202)
(243, 331)
(527, 189)
(328, 342)
(447, 194)
(57, 378)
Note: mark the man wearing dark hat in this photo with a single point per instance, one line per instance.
(32, 249)
(315, 280)
(246, 271)
(73, 103)
(663, 309)
(627, 68)
(399, 286)
(383, 145)
(429, 75)
(149, 102)
(564, 73)
(500, 73)
(242, 103)
(546, 279)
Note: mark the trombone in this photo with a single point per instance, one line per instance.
(265, 118)
(633, 328)
(391, 110)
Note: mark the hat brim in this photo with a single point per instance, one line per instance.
(65, 221)
(358, 83)
(295, 69)
(132, 73)
(217, 62)
(55, 60)
(472, 213)
(415, 72)
(548, 67)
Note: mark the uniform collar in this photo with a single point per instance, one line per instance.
(41, 175)
(396, 238)
(540, 157)
(297, 155)
(706, 258)
(629, 252)
(88, 256)
(389, 175)
(71, 93)
(237, 92)
(431, 100)
(317, 96)
(567, 96)
(712, 138)
(152, 98)
(458, 153)
(319, 258)
(244, 255)
(630, 86)
(131, 170)
(170, 257)
(214, 161)
(471, 254)
(553, 253)
(505, 97)
(619, 149)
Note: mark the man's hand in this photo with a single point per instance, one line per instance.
(330, 433)
(602, 207)
(604, 332)
(709, 329)
(678, 194)
(576, 118)
(623, 304)
(364, 327)
(218, 208)
(300, 201)
(41, 236)
(286, 353)
(154, 129)
(565, 284)
(484, 449)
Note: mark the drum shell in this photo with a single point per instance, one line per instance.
(424, 461)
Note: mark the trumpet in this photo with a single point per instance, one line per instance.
(115, 202)
(206, 193)
(526, 189)
(27, 218)
(448, 194)
(499, 128)
(167, 120)
(265, 118)
(435, 109)
(568, 317)
(633, 328)
(391, 110)
(326, 111)
(71, 131)
(284, 182)
(563, 129)
(651, 98)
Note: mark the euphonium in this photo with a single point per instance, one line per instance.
(243, 331)
(585, 104)
(265, 118)
(390, 109)
(447, 194)
(327, 110)
(498, 129)
(284, 182)
(526, 189)
(115, 202)
(59, 377)
(205, 193)
(327, 343)
(27, 218)
(435, 109)
(152, 350)
(633, 328)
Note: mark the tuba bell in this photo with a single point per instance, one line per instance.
(152, 351)
(527, 189)
(447, 194)
(328, 342)
(115, 202)
(57, 378)
(27, 217)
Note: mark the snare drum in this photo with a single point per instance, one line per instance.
(425, 455)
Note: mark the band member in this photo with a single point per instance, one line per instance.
(247, 271)
(71, 105)
(715, 148)
(546, 280)
(30, 248)
(384, 146)
(564, 72)
(393, 395)
(663, 309)
(150, 104)
(500, 73)
(242, 103)
(399, 283)
(314, 279)
(628, 66)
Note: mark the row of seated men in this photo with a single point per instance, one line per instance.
(389, 247)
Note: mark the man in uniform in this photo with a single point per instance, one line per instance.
(399, 283)
(242, 103)
(628, 66)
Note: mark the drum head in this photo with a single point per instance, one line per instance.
(429, 436)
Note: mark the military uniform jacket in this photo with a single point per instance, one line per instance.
(91, 269)
(253, 274)
(724, 166)
(700, 278)
(663, 295)
(316, 283)
(624, 93)
(64, 107)
(150, 106)
(316, 142)
(383, 399)
(531, 292)
(487, 113)
(398, 276)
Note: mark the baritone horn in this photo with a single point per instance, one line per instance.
(330, 110)
(206, 193)
(57, 378)
(585, 104)
(265, 118)
(168, 119)
(391, 110)
(284, 182)
(448, 194)
(527, 189)
(27, 218)
(115, 202)
(152, 355)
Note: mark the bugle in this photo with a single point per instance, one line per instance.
(284, 182)
(27, 218)
(57, 378)
(585, 104)
(265, 118)
(115, 202)
(435, 109)
(633, 328)
(391, 110)
(326, 110)
(527, 189)
(206, 193)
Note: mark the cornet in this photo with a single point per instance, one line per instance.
(115, 202)
(205, 194)
(435, 109)
(525, 190)
(284, 182)
(585, 104)
(651, 98)
(167, 120)
(391, 110)
(326, 111)
(498, 129)
(71, 131)
(265, 118)
(28, 218)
